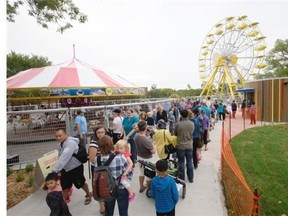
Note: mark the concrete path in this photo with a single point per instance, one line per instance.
(204, 197)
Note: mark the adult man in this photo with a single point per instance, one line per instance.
(81, 127)
(71, 169)
(145, 151)
(184, 132)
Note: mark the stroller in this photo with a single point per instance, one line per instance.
(150, 172)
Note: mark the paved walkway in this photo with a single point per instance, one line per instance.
(204, 197)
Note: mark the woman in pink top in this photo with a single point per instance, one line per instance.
(253, 113)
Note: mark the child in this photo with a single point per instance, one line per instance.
(123, 148)
(253, 113)
(171, 120)
(164, 190)
(54, 198)
(149, 119)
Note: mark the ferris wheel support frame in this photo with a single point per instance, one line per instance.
(208, 86)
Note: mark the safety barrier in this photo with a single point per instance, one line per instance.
(242, 200)
(30, 133)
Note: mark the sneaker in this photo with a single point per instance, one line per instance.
(131, 197)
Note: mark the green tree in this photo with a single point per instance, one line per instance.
(60, 12)
(19, 62)
(160, 93)
(277, 59)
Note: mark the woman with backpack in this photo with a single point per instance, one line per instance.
(193, 116)
(117, 166)
(93, 151)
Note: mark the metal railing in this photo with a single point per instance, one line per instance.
(30, 133)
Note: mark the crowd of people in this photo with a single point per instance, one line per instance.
(139, 135)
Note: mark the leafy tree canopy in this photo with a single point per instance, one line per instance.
(277, 60)
(18, 62)
(168, 92)
(46, 12)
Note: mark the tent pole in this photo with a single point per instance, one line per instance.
(74, 51)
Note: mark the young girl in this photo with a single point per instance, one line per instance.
(123, 148)
(164, 190)
(54, 198)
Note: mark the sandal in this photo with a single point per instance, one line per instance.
(131, 197)
(88, 199)
(102, 212)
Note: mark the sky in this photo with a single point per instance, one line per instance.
(145, 41)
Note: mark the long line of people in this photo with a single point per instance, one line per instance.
(186, 124)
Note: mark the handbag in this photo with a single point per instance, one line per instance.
(169, 148)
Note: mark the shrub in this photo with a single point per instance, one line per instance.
(29, 167)
(30, 181)
(9, 171)
(19, 177)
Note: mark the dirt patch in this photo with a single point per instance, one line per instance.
(18, 190)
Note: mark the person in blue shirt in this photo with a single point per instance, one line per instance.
(127, 127)
(81, 127)
(164, 190)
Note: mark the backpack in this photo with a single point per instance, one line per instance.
(104, 186)
(201, 125)
(81, 155)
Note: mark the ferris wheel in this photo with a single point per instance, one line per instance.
(232, 53)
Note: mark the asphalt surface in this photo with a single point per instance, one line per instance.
(204, 197)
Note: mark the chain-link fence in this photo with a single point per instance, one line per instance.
(30, 133)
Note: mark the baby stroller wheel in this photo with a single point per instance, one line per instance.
(183, 192)
(148, 194)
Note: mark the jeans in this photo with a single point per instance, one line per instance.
(181, 155)
(122, 201)
(195, 146)
(133, 150)
(171, 213)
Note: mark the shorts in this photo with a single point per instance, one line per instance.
(74, 176)
(141, 167)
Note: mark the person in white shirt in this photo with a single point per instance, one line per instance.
(117, 125)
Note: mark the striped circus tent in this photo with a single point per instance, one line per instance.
(73, 73)
(69, 79)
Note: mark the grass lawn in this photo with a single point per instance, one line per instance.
(262, 154)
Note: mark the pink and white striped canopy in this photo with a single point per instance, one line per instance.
(73, 73)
